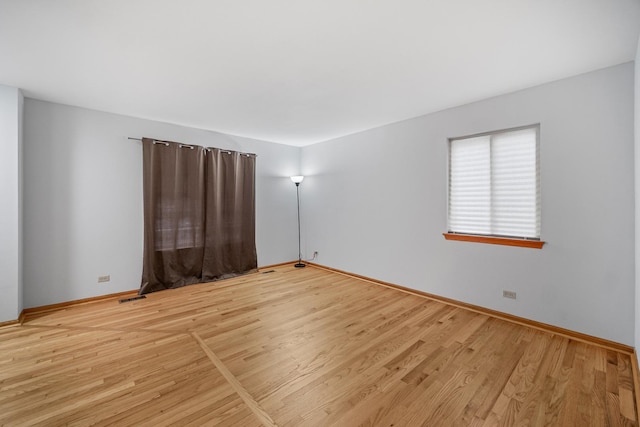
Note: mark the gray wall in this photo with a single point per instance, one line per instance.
(83, 199)
(637, 194)
(11, 104)
(375, 204)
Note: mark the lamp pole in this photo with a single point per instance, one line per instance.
(297, 180)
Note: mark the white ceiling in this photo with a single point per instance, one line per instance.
(301, 71)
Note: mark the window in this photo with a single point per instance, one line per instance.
(494, 185)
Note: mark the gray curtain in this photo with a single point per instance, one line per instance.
(230, 247)
(199, 214)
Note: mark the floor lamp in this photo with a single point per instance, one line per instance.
(297, 180)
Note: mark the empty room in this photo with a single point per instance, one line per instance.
(319, 213)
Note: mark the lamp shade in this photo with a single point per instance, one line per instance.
(297, 179)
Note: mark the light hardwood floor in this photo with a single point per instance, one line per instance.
(301, 347)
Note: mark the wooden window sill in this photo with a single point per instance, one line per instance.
(535, 244)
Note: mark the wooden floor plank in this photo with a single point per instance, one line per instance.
(301, 347)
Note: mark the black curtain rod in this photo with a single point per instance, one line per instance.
(191, 146)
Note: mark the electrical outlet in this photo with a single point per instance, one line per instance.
(509, 294)
(315, 254)
(102, 279)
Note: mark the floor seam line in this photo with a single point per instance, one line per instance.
(253, 405)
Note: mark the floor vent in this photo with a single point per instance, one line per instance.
(132, 299)
(268, 271)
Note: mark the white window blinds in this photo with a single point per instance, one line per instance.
(494, 184)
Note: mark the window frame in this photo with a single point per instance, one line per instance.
(507, 240)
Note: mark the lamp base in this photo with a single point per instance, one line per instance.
(300, 265)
